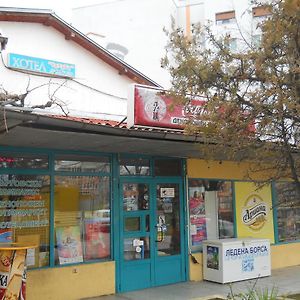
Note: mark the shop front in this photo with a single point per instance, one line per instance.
(94, 213)
(135, 214)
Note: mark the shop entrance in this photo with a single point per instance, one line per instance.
(151, 233)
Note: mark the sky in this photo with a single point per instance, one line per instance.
(63, 8)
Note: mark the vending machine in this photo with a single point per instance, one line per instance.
(229, 260)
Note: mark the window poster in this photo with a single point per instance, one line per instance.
(97, 239)
(5, 235)
(69, 245)
(254, 213)
(197, 215)
(198, 232)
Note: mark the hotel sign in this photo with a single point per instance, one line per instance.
(149, 106)
(40, 65)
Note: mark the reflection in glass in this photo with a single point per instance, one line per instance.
(24, 213)
(167, 167)
(136, 248)
(79, 163)
(211, 211)
(82, 218)
(134, 166)
(23, 161)
(288, 211)
(132, 224)
(135, 196)
(168, 219)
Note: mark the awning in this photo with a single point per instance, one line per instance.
(21, 129)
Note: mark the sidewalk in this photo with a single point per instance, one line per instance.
(286, 280)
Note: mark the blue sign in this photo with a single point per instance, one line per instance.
(40, 65)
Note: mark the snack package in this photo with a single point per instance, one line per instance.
(16, 274)
(23, 286)
(6, 257)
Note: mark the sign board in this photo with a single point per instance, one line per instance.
(254, 216)
(149, 106)
(167, 192)
(40, 65)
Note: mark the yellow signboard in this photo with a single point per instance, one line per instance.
(254, 215)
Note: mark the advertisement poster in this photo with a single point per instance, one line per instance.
(254, 214)
(197, 216)
(97, 239)
(69, 245)
(198, 232)
(5, 235)
(213, 257)
(6, 257)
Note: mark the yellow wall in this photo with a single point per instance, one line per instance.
(72, 282)
(285, 255)
(197, 168)
(196, 270)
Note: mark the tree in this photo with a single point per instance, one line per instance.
(256, 86)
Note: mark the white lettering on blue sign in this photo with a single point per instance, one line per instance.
(40, 65)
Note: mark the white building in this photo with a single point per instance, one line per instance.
(138, 25)
(96, 85)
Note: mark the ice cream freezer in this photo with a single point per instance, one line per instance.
(229, 260)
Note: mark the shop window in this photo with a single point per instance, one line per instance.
(23, 161)
(210, 210)
(135, 196)
(134, 166)
(24, 214)
(167, 167)
(82, 163)
(288, 212)
(82, 219)
(225, 17)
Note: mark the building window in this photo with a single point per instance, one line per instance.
(24, 214)
(81, 218)
(233, 44)
(134, 166)
(82, 163)
(256, 40)
(167, 167)
(23, 161)
(210, 211)
(288, 212)
(81, 197)
(225, 17)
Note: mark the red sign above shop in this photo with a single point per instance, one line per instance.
(149, 106)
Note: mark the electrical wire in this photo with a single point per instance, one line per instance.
(60, 77)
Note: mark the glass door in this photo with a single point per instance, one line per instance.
(169, 248)
(135, 234)
(151, 234)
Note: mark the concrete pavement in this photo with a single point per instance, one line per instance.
(286, 280)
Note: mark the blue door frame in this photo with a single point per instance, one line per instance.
(148, 268)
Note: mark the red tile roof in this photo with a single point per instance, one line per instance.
(91, 121)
